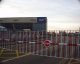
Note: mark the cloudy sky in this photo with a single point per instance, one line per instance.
(61, 14)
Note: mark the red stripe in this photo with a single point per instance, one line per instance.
(72, 44)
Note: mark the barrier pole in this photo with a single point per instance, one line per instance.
(17, 53)
(78, 43)
(72, 45)
(67, 46)
(40, 45)
(29, 41)
(58, 46)
(23, 42)
(53, 42)
(64, 41)
(37, 43)
(34, 41)
(1, 52)
(28, 44)
(46, 39)
(56, 43)
(51, 34)
(9, 35)
(26, 36)
(18, 37)
(61, 42)
(42, 42)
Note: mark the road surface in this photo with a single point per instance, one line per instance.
(33, 59)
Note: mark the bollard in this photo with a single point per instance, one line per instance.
(17, 53)
(1, 52)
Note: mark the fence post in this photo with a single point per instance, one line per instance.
(78, 43)
(67, 39)
(61, 46)
(42, 42)
(29, 41)
(51, 47)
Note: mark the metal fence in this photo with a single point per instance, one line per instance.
(59, 44)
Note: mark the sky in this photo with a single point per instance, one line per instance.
(61, 14)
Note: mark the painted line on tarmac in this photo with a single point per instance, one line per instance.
(24, 55)
(21, 56)
(17, 57)
(1, 52)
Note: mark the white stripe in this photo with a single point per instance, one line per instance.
(7, 39)
(63, 44)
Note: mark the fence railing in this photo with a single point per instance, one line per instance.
(60, 44)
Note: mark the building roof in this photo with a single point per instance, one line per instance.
(19, 20)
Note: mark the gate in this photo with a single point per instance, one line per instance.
(59, 44)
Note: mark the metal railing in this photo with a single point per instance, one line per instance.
(61, 44)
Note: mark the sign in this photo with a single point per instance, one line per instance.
(42, 19)
(46, 43)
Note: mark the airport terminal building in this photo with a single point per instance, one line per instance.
(21, 23)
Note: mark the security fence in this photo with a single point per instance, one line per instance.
(59, 44)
